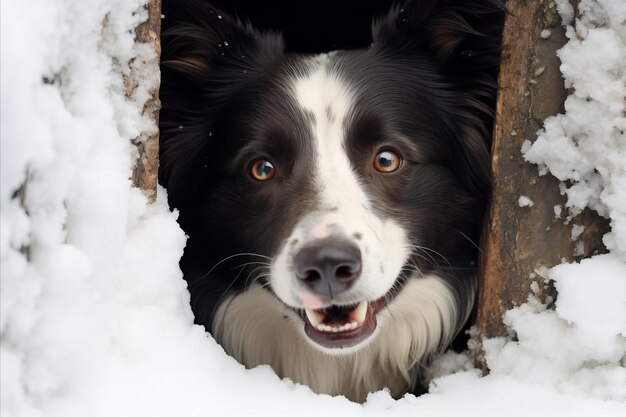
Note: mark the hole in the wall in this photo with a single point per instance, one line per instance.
(312, 26)
(315, 27)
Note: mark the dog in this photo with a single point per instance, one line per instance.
(332, 202)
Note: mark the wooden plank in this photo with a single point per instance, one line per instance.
(145, 172)
(518, 240)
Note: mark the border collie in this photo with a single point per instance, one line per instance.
(332, 201)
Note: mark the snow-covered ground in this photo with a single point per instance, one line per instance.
(94, 316)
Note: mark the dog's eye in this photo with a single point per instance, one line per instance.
(262, 170)
(386, 162)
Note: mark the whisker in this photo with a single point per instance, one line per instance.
(426, 251)
(233, 256)
(472, 242)
(228, 288)
(252, 263)
(423, 249)
(252, 272)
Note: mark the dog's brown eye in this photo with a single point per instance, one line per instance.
(386, 162)
(262, 170)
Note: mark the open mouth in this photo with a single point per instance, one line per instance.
(342, 326)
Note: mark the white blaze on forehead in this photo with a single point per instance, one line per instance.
(329, 99)
(344, 210)
(320, 89)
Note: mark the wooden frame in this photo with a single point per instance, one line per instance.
(516, 240)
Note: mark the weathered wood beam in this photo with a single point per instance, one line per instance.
(518, 240)
(145, 173)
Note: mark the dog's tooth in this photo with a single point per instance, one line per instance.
(334, 328)
(315, 317)
(359, 312)
(357, 317)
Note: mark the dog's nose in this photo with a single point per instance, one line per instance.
(328, 266)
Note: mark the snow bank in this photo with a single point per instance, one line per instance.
(585, 148)
(94, 316)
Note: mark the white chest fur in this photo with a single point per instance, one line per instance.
(256, 328)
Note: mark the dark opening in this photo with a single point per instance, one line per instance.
(312, 26)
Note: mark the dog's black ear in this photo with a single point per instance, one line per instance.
(448, 30)
(462, 38)
(207, 56)
(198, 40)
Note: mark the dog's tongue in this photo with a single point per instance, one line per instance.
(341, 326)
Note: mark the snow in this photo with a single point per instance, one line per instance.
(94, 315)
(524, 201)
(557, 211)
(585, 148)
(577, 230)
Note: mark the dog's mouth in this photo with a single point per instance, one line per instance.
(342, 326)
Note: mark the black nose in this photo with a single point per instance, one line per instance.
(328, 266)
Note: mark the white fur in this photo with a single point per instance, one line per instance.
(418, 322)
(344, 208)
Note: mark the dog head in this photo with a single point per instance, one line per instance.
(332, 181)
